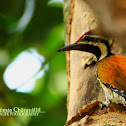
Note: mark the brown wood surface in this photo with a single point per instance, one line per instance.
(84, 86)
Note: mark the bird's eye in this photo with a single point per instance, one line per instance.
(85, 37)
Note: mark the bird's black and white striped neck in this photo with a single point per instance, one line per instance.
(100, 44)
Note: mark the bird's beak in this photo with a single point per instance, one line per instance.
(74, 46)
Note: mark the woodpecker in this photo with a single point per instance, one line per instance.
(110, 68)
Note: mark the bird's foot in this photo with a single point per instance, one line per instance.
(103, 103)
(88, 59)
(83, 112)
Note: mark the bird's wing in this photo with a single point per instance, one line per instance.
(112, 71)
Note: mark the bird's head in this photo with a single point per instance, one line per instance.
(94, 44)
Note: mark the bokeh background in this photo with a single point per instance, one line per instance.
(32, 73)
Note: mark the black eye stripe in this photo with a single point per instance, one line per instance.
(95, 39)
(90, 48)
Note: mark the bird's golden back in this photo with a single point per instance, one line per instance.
(112, 70)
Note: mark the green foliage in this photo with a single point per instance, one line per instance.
(45, 32)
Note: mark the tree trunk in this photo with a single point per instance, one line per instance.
(83, 86)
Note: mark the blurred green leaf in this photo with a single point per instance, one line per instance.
(44, 32)
(55, 3)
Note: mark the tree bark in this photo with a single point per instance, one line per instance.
(81, 17)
